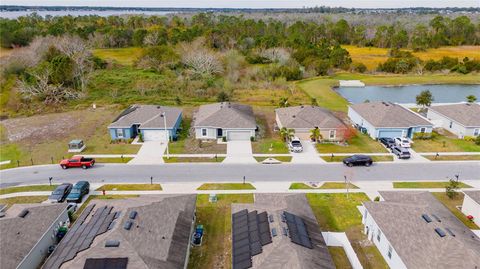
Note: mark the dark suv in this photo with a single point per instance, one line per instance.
(60, 193)
(80, 189)
(358, 160)
(402, 153)
(387, 141)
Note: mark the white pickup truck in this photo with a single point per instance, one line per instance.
(295, 145)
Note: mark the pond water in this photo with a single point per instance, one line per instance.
(406, 94)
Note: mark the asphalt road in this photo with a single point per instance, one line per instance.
(236, 172)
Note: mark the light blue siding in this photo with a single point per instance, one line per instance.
(127, 133)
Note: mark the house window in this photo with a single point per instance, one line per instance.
(204, 132)
(120, 133)
(451, 123)
(379, 235)
(331, 135)
(422, 130)
(389, 252)
(476, 132)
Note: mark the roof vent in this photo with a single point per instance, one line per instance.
(450, 231)
(128, 225)
(436, 218)
(440, 232)
(133, 215)
(112, 243)
(159, 107)
(426, 218)
(302, 106)
(24, 213)
(293, 116)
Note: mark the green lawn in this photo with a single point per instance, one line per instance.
(130, 187)
(452, 204)
(113, 160)
(360, 143)
(374, 158)
(283, 159)
(336, 213)
(125, 56)
(300, 186)
(454, 158)
(270, 146)
(226, 186)
(27, 189)
(23, 200)
(339, 257)
(440, 143)
(425, 185)
(337, 185)
(193, 160)
(216, 218)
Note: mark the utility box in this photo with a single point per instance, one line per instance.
(76, 145)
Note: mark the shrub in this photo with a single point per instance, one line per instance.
(224, 139)
(469, 138)
(422, 136)
(359, 67)
(377, 199)
(477, 140)
(252, 138)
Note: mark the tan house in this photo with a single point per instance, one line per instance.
(305, 118)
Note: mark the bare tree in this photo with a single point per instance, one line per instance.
(151, 39)
(199, 59)
(279, 55)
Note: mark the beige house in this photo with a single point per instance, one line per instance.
(305, 118)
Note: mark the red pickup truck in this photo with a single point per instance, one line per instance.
(77, 161)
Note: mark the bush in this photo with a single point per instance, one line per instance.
(469, 138)
(422, 136)
(477, 140)
(252, 138)
(359, 67)
(377, 199)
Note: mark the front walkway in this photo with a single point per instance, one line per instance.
(309, 154)
(239, 152)
(151, 152)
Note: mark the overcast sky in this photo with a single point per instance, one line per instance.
(250, 3)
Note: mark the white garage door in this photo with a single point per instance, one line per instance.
(154, 135)
(238, 135)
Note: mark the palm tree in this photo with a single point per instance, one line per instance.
(315, 135)
(287, 134)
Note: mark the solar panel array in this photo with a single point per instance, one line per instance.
(81, 235)
(297, 230)
(250, 231)
(106, 263)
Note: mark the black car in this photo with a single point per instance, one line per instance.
(358, 160)
(60, 193)
(80, 189)
(387, 141)
(402, 153)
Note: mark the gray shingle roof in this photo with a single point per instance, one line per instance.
(475, 195)
(159, 237)
(465, 114)
(399, 218)
(307, 117)
(225, 115)
(383, 114)
(19, 235)
(148, 116)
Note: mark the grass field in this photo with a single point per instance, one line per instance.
(336, 213)
(337, 185)
(283, 159)
(339, 257)
(124, 56)
(216, 218)
(27, 189)
(23, 200)
(270, 146)
(440, 143)
(193, 160)
(360, 143)
(130, 187)
(226, 186)
(425, 185)
(454, 158)
(371, 56)
(452, 204)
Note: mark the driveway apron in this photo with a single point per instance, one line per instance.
(309, 154)
(239, 152)
(151, 152)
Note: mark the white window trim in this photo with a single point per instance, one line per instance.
(206, 132)
(120, 133)
(423, 130)
(389, 253)
(334, 134)
(476, 131)
(379, 235)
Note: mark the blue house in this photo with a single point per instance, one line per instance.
(155, 123)
(385, 119)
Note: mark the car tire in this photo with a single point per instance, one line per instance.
(368, 164)
(349, 164)
(64, 166)
(84, 167)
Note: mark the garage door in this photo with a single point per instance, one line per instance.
(390, 133)
(238, 135)
(154, 135)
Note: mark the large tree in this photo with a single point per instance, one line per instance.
(425, 98)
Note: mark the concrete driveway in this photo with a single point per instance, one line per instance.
(151, 152)
(239, 152)
(309, 154)
(414, 158)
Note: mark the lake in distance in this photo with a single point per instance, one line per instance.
(75, 13)
(452, 93)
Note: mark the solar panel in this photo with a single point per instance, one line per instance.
(106, 263)
(255, 248)
(297, 230)
(440, 232)
(426, 218)
(133, 215)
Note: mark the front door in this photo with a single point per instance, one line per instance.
(219, 132)
(409, 133)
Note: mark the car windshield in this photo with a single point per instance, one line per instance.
(296, 143)
(58, 191)
(75, 191)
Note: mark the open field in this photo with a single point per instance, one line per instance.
(372, 57)
(130, 187)
(23, 200)
(441, 143)
(425, 185)
(226, 186)
(216, 218)
(337, 185)
(452, 204)
(124, 56)
(337, 213)
(27, 189)
(360, 143)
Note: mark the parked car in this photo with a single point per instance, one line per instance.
(295, 145)
(402, 142)
(358, 160)
(387, 141)
(80, 189)
(77, 161)
(60, 193)
(402, 153)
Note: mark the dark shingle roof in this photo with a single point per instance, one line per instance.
(466, 114)
(307, 117)
(399, 218)
(383, 114)
(148, 116)
(225, 115)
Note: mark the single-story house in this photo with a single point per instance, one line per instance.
(149, 120)
(230, 120)
(303, 119)
(27, 231)
(471, 205)
(385, 119)
(461, 119)
(412, 229)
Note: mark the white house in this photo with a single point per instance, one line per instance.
(385, 119)
(461, 119)
(412, 229)
(229, 120)
(471, 205)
